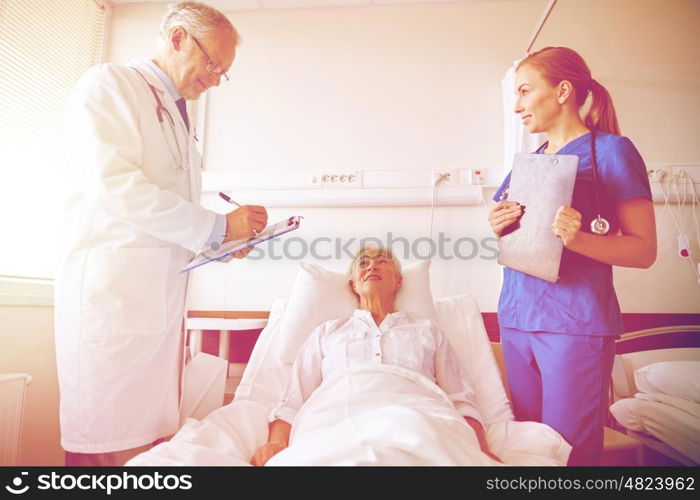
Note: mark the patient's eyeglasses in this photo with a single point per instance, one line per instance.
(212, 67)
(365, 260)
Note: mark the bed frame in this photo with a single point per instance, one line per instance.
(637, 349)
(632, 350)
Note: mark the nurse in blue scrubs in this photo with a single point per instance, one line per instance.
(558, 338)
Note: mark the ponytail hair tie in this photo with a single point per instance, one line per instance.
(591, 85)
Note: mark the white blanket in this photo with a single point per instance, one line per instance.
(376, 415)
(384, 415)
(404, 418)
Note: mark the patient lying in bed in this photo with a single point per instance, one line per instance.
(377, 387)
(382, 413)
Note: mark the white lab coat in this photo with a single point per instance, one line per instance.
(133, 221)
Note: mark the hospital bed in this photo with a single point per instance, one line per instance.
(231, 434)
(656, 392)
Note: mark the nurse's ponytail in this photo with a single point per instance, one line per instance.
(601, 115)
(561, 63)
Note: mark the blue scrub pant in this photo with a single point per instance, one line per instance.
(563, 381)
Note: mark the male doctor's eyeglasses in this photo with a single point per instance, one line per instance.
(212, 67)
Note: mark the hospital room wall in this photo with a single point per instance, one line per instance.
(27, 340)
(418, 86)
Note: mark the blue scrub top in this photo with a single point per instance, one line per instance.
(583, 301)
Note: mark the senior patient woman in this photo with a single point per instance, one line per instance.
(375, 334)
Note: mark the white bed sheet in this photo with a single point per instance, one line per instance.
(423, 432)
(678, 428)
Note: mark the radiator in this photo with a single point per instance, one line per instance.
(12, 396)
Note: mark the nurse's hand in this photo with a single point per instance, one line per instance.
(567, 223)
(245, 222)
(503, 214)
(266, 452)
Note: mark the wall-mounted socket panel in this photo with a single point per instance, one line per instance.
(445, 177)
(677, 184)
(476, 177)
(335, 179)
(480, 176)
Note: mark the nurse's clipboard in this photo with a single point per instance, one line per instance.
(230, 247)
(542, 183)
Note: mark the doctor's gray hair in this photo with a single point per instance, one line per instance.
(197, 19)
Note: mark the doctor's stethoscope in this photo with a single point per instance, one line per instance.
(599, 225)
(164, 115)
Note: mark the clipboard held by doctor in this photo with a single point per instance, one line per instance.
(542, 183)
(230, 247)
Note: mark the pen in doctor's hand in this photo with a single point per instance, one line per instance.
(228, 199)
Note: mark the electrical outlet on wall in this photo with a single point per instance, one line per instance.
(443, 177)
(477, 176)
(335, 179)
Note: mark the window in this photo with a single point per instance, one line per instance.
(44, 48)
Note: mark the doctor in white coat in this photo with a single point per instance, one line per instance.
(133, 221)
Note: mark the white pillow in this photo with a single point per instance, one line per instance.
(458, 317)
(680, 379)
(626, 412)
(460, 320)
(320, 295)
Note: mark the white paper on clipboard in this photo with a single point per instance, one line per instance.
(230, 247)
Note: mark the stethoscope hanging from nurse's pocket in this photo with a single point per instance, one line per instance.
(176, 151)
(599, 225)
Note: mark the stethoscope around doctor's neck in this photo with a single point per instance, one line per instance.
(176, 151)
(599, 225)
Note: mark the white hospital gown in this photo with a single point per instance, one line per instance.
(339, 345)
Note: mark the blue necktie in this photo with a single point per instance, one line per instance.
(182, 106)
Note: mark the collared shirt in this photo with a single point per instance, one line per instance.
(339, 345)
(164, 78)
(583, 301)
(217, 235)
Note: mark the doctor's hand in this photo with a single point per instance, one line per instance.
(266, 452)
(241, 253)
(245, 222)
(567, 223)
(503, 214)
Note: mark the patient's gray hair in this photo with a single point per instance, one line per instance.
(196, 18)
(371, 251)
